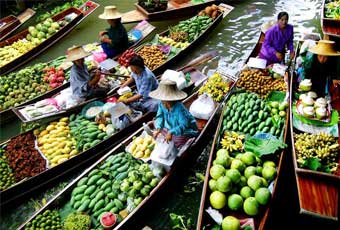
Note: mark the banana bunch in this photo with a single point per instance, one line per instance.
(216, 87)
(232, 141)
(125, 96)
(172, 42)
(13, 51)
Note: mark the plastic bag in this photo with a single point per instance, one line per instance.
(164, 149)
(121, 122)
(175, 76)
(202, 107)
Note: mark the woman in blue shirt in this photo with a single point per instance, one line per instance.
(173, 120)
(145, 82)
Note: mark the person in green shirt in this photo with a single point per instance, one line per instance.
(114, 40)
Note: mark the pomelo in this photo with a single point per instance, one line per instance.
(217, 199)
(235, 202)
(243, 182)
(222, 152)
(246, 192)
(224, 184)
(249, 171)
(269, 173)
(231, 223)
(224, 160)
(234, 175)
(259, 170)
(216, 171)
(262, 196)
(250, 206)
(238, 164)
(269, 163)
(254, 182)
(213, 185)
(248, 158)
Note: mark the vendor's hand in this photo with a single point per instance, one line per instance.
(168, 137)
(105, 40)
(279, 56)
(101, 33)
(156, 133)
(122, 100)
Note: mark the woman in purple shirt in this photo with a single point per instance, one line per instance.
(276, 39)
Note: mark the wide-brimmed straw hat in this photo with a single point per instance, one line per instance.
(168, 91)
(265, 26)
(76, 53)
(325, 47)
(110, 12)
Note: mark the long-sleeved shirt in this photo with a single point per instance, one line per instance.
(178, 120)
(145, 82)
(119, 38)
(79, 81)
(275, 41)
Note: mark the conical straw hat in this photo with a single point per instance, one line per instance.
(76, 53)
(168, 91)
(325, 47)
(110, 12)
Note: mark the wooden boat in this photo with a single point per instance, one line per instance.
(11, 23)
(330, 26)
(190, 150)
(26, 187)
(204, 220)
(8, 114)
(48, 42)
(160, 69)
(318, 192)
(173, 10)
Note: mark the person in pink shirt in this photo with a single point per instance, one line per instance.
(276, 39)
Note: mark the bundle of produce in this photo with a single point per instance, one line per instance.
(216, 87)
(55, 142)
(47, 220)
(247, 113)
(190, 29)
(211, 11)
(23, 158)
(16, 49)
(118, 185)
(55, 77)
(153, 5)
(174, 43)
(260, 82)
(142, 146)
(125, 58)
(6, 175)
(232, 141)
(317, 151)
(42, 31)
(77, 221)
(332, 9)
(153, 56)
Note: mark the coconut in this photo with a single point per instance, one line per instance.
(321, 113)
(305, 85)
(307, 101)
(320, 103)
(308, 111)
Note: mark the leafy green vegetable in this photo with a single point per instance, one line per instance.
(77, 221)
(314, 163)
(263, 146)
(180, 222)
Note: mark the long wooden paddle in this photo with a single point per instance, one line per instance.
(200, 59)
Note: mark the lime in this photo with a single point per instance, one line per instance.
(262, 196)
(223, 159)
(235, 202)
(222, 152)
(239, 156)
(243, 182)
(269, 163)
(248, 158)
(224, 184)
(249, 171)
(238, 164)
(259, 170)
(255, 182)
(231, 223)
(246, 192)
(269, 172)
(250, 206)
(217, 199)
(216, 171)
(212, 185)
(234, 175)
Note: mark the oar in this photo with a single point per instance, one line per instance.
(200, 59)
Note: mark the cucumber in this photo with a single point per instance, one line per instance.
(79, 190)
(90, 190)
(260, 114)
(268, 121)
(82, 181)
(100, 181)
(272, 130)
(72, 117)
(105, 185)
(109, 206)
(84, 205)
(94, 143)
(265, 129)
(100, 195)
(112, 195)
(97, 213)
(94, 194)
(121, 176)
(100, 204)
(92, 203)
(94, 171)
(77, 204)
(101, 135)
(262, 125)
(84, 198)
(78, 197)
(93, 179)
(118, 204)
(123, 168)
(108, 190)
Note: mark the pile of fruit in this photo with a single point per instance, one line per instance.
(232, 141)
(15, 50)
(247, 113)
(210, 11)
(6, 175)
(153, 56)
(125, 58)
(56, 143)
(323, 148)
(39, 33)
(153, 5)
(240, 183)
(216, 87)
(120, 183)
(172, 42)
(125, 96)
(55, 77)
(142, 146)
(47, 220)
(260, 82)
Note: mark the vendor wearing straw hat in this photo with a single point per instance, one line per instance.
(82, 84)
(320, 67)
(173, 120)
(114, 39)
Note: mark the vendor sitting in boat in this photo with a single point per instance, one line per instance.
(114, 39)
(173, 120)
(320, 66)
(145, 82)
(276, 39)
(83, 85)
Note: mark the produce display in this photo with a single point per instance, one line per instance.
(169, 41)
(16, 49)
(249, 114)
(118, 185)
(332, 9)
(153, 56)
(24, 160)
(153, 5)
(216, 87)
(210, 11)
(40, 32)
(55, 77)
(47, 220)
(6, 175)
(317, 151)
(260, 82)
(142, 146)
(77, 221)
(125, 58)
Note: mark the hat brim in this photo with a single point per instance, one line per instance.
(325, 53)
(74, 58)
(103, 16)
(180, 95)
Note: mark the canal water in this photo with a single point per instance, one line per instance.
(234, 39)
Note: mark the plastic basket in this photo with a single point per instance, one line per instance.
(89, 105)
